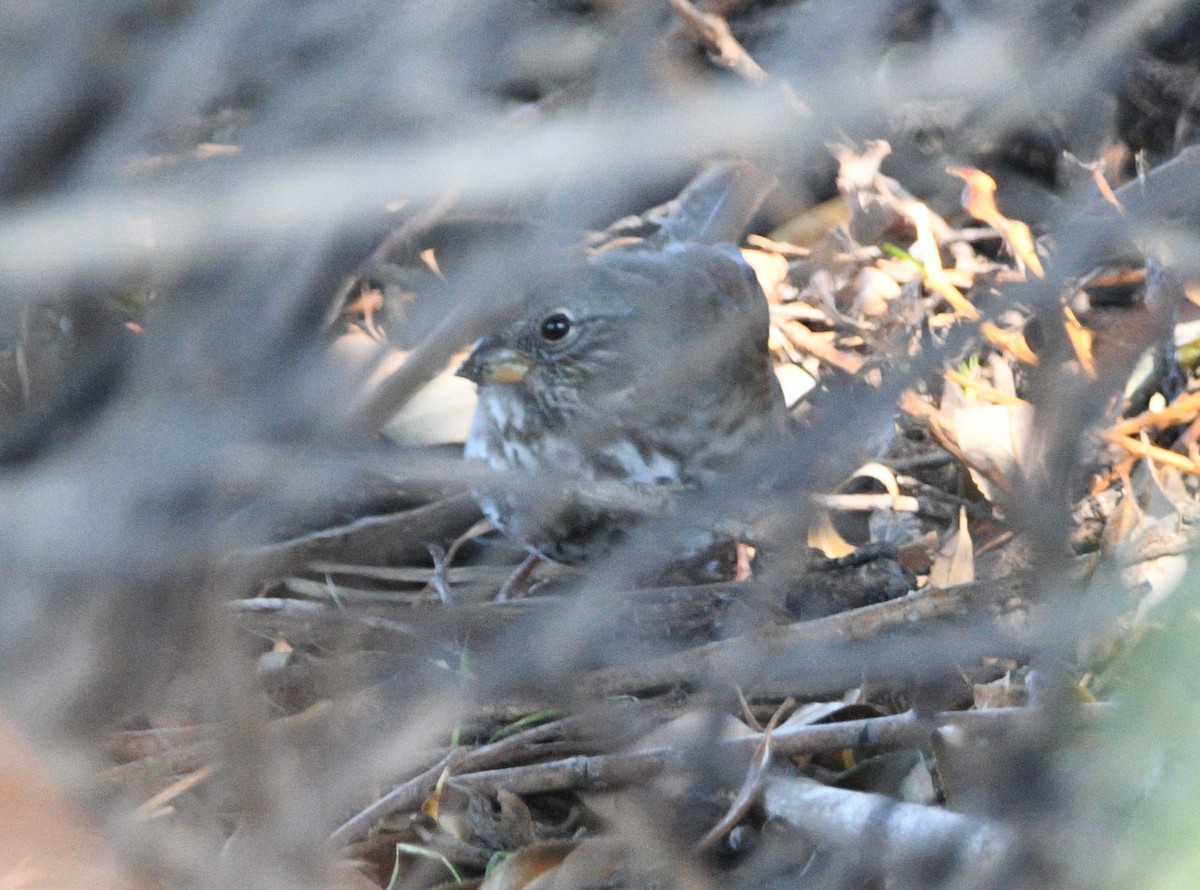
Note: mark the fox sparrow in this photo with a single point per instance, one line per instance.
(638, 374)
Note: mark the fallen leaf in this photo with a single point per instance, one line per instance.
(429, 258)
(1105, 189)
(955, 561)
(992, 440)
(525, 866)
(926, 251)
(432, 804)
(1000, 693)
(1081, 341)
(821, 346)
(771, 270)
(1011, 342)
(873, 290)
(979, 200)
(824, 537)
(795, 382)
(885, 476)
(811, 227)
(981, 392)
(439, 413)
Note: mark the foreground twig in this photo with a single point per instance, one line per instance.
(910, 729)
(375, 538)
(410, 794)
(903, 836)
(749, 659)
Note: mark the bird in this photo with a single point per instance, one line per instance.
(633, 377)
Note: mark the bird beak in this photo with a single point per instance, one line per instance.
(491, 363)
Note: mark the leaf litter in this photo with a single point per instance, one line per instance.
(977, 578)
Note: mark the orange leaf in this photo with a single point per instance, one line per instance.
(1081, 342)
(979, 193)
(979, 200)
(1012, 342)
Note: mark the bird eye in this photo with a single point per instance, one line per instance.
(556, 326)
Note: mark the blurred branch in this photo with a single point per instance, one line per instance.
(727, 52)
(371, 537)
(89, 230)
(910, 729)
(748, 660)
(411, 794)
(714, 31)
(906, 839)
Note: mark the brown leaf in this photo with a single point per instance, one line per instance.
(1183, 409)
(981, 392)
(955, 561)
(528, 864)
(821, 345)
(432, 805)
(1143, 448)
(429, 258)
(979, 193)
(1105, 189)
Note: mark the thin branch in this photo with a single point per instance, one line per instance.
(750, 659)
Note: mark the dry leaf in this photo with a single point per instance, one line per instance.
(858, 172)
(885, 476)
(1019, 239)
(926, 251)
(812, 226)
(1000, 693)
(795, 382)
(979, 200)
(979, 193)
(594, 862)
(432, 805)
(1081, 341)
(770, 269)
(524, 867)
(824, 537)
(955, 561)
(992, 439)
(980, 392)
(1011, 342)
(873, 290)
(1142, 448)
(429, 258)
(439, 413)
(821, 346)
(1105, 189)
(1181, 410)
